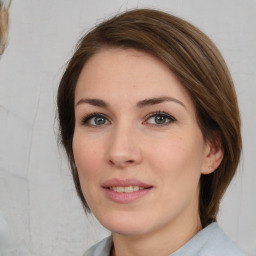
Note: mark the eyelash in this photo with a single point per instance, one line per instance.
(162, 114)
(85, 120)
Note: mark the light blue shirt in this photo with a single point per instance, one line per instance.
(210, 241)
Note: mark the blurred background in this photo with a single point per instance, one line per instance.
(40, 213)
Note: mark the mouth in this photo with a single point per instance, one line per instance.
(125, 191)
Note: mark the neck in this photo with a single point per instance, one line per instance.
(162, 242)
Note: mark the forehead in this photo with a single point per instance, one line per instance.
(129, 74)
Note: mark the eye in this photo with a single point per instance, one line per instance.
(159, 119)
(95, 119)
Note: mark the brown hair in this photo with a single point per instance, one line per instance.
(4, 19)
(195, 60)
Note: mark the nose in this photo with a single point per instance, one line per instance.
(124, 149)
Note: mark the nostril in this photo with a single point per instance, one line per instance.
(121, 163)
(111, 162)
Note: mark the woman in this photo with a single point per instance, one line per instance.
(150, 123)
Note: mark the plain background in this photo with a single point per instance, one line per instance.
(40, 213)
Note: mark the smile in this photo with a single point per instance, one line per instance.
(127, 189)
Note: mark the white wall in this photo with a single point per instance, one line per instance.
(40, 212)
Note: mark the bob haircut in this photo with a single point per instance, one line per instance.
(196, 62)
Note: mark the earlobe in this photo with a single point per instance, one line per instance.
(214, 156)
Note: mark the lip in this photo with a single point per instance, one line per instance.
(125, 198)
(125, 183)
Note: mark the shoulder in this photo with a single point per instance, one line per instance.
(100, 249)
(220, 244)
(211, 241)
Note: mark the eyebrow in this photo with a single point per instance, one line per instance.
(140, 104)
(94, 102)
(154, 101)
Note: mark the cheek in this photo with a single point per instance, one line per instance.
(178, 159)
(87, 156)
(176, 165)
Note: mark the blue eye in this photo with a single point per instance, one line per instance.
(96, 119)
(159, 119)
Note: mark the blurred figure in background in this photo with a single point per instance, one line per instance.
(8, 246)
(4, 20)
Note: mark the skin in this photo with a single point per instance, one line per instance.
(130, 144)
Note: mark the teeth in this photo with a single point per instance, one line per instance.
(120, 189)
(128, 189)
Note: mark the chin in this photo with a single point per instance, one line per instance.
(127, 230)
(125, 225)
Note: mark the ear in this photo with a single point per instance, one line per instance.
(213, 157)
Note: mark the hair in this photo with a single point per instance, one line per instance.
(4, 18)
(197, 63)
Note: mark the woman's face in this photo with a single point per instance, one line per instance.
(137, 145)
